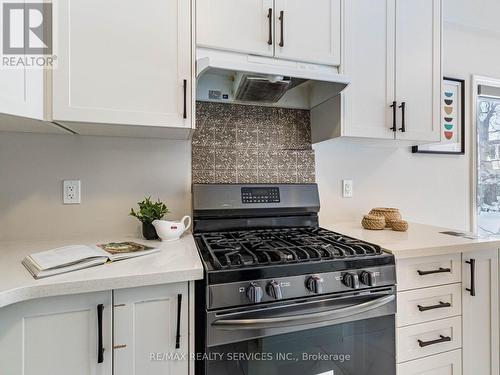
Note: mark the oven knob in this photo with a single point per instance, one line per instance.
(368, 278)
(351, 280)
(315, 284)
(254, 293)
(274, 290)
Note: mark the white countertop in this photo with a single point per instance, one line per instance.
(419, 240)
(177, 261)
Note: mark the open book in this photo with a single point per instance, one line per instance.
(76, 257)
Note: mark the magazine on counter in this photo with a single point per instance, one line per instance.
(76, 257)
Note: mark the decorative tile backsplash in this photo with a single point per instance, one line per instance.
(251, 144)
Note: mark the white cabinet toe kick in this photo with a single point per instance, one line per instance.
(447, 320)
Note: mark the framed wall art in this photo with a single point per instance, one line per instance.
(452, 121)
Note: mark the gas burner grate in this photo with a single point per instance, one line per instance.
(260, 247)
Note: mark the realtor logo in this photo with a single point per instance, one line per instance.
(27, 29)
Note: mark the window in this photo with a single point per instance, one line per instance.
(488, 163)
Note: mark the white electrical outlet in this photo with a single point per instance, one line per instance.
(347, 186)
(71, 192)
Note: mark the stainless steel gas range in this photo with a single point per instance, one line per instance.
(282, 295)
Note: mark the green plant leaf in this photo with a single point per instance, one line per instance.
(150, 211)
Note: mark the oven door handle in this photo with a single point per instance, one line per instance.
(260, 323)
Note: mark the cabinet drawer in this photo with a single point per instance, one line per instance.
(449, 363)
(426, 339)
(424, 305)
(415, 273)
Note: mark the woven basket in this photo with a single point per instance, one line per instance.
(398, 225)
(387, 213)
(373, 222)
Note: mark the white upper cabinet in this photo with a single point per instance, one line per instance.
(418, 69)
(369, 62)
(392, 54)
(243, 26)
(295, 30)
(122, 68)
(22, 92)
(308, 31)
(127, 63)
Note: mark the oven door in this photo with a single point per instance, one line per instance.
(350, 334)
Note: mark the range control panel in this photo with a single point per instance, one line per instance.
(260, 195)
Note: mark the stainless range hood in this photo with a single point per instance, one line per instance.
(247, 79)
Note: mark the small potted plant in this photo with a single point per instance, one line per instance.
(148, 212)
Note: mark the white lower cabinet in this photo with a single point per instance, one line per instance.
(428, 304)
(139, 331)
(449, 363)
(57, 336)
(425, 339)
(151, 330)
(448, 303)
(480, 313)
(418, 273)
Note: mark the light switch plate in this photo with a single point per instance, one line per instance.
(347, 186)
(71, 192)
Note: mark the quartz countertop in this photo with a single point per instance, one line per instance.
(419, 240)
(177, 261)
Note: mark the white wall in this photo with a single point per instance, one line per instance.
(115, 172)
(431, 189)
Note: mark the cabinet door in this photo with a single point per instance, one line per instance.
(236, 25)
(368, 59)
(22, 92)
(480, 313)
(56, 336)
(308, 31)
(123, 62)
(145, 330)
(449, 363)
(418, 68)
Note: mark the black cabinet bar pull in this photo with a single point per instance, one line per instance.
(178, 335)
(185, 100)
(270, 16)
(472, 289)
(394, 109)
(442, 338)
(100, 348)
(282, 21)
(440, 270)
(403, 109)
(438, 306)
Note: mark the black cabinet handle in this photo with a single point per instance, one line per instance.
(394, 109)
(100, 348)
(440, 270)
(433, 307)
(403, 109)
(270, 16)
(178, 335)
(472, 289)
(282, 21)
(185, 99)
(442, 338)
